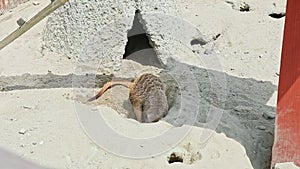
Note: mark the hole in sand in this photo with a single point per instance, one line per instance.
(186, 157)
(277, 15)
(138, 47)
(174, 157)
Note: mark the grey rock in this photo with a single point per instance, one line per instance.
(269, 115)
(243, 108)
(261, 127)
(22, 131)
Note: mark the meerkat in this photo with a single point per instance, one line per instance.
(147, 96)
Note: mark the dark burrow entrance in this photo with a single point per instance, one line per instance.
(175, 158)
(138, 46)
(277, 15)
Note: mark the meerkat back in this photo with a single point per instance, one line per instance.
(148, 96)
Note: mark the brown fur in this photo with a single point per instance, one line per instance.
(147, 96)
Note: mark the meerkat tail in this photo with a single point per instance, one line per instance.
(111, 84)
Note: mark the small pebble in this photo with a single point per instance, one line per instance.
(22, 131)
(36, 3)
(34, 143)
(244, 7)
(21, 21)
(41, 142)
(269, 115)
(229, 2)
(13, 119)
(270, 132)
(243, 108)
(261, 127)
(27, 107)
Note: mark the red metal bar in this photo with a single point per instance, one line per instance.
(9, 4)
(3, 6)
(286, 146)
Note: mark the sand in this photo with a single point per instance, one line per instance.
(41, 101)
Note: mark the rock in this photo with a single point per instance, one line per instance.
(261, 127)
(269, 115)
(244, 7)
(13, 119)
(243, 108)
(270, 132)
(21, 21)
(241, 6)
(35, 3)
(27, 107)
(229, 2)
(80, 31)
(22, 131)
